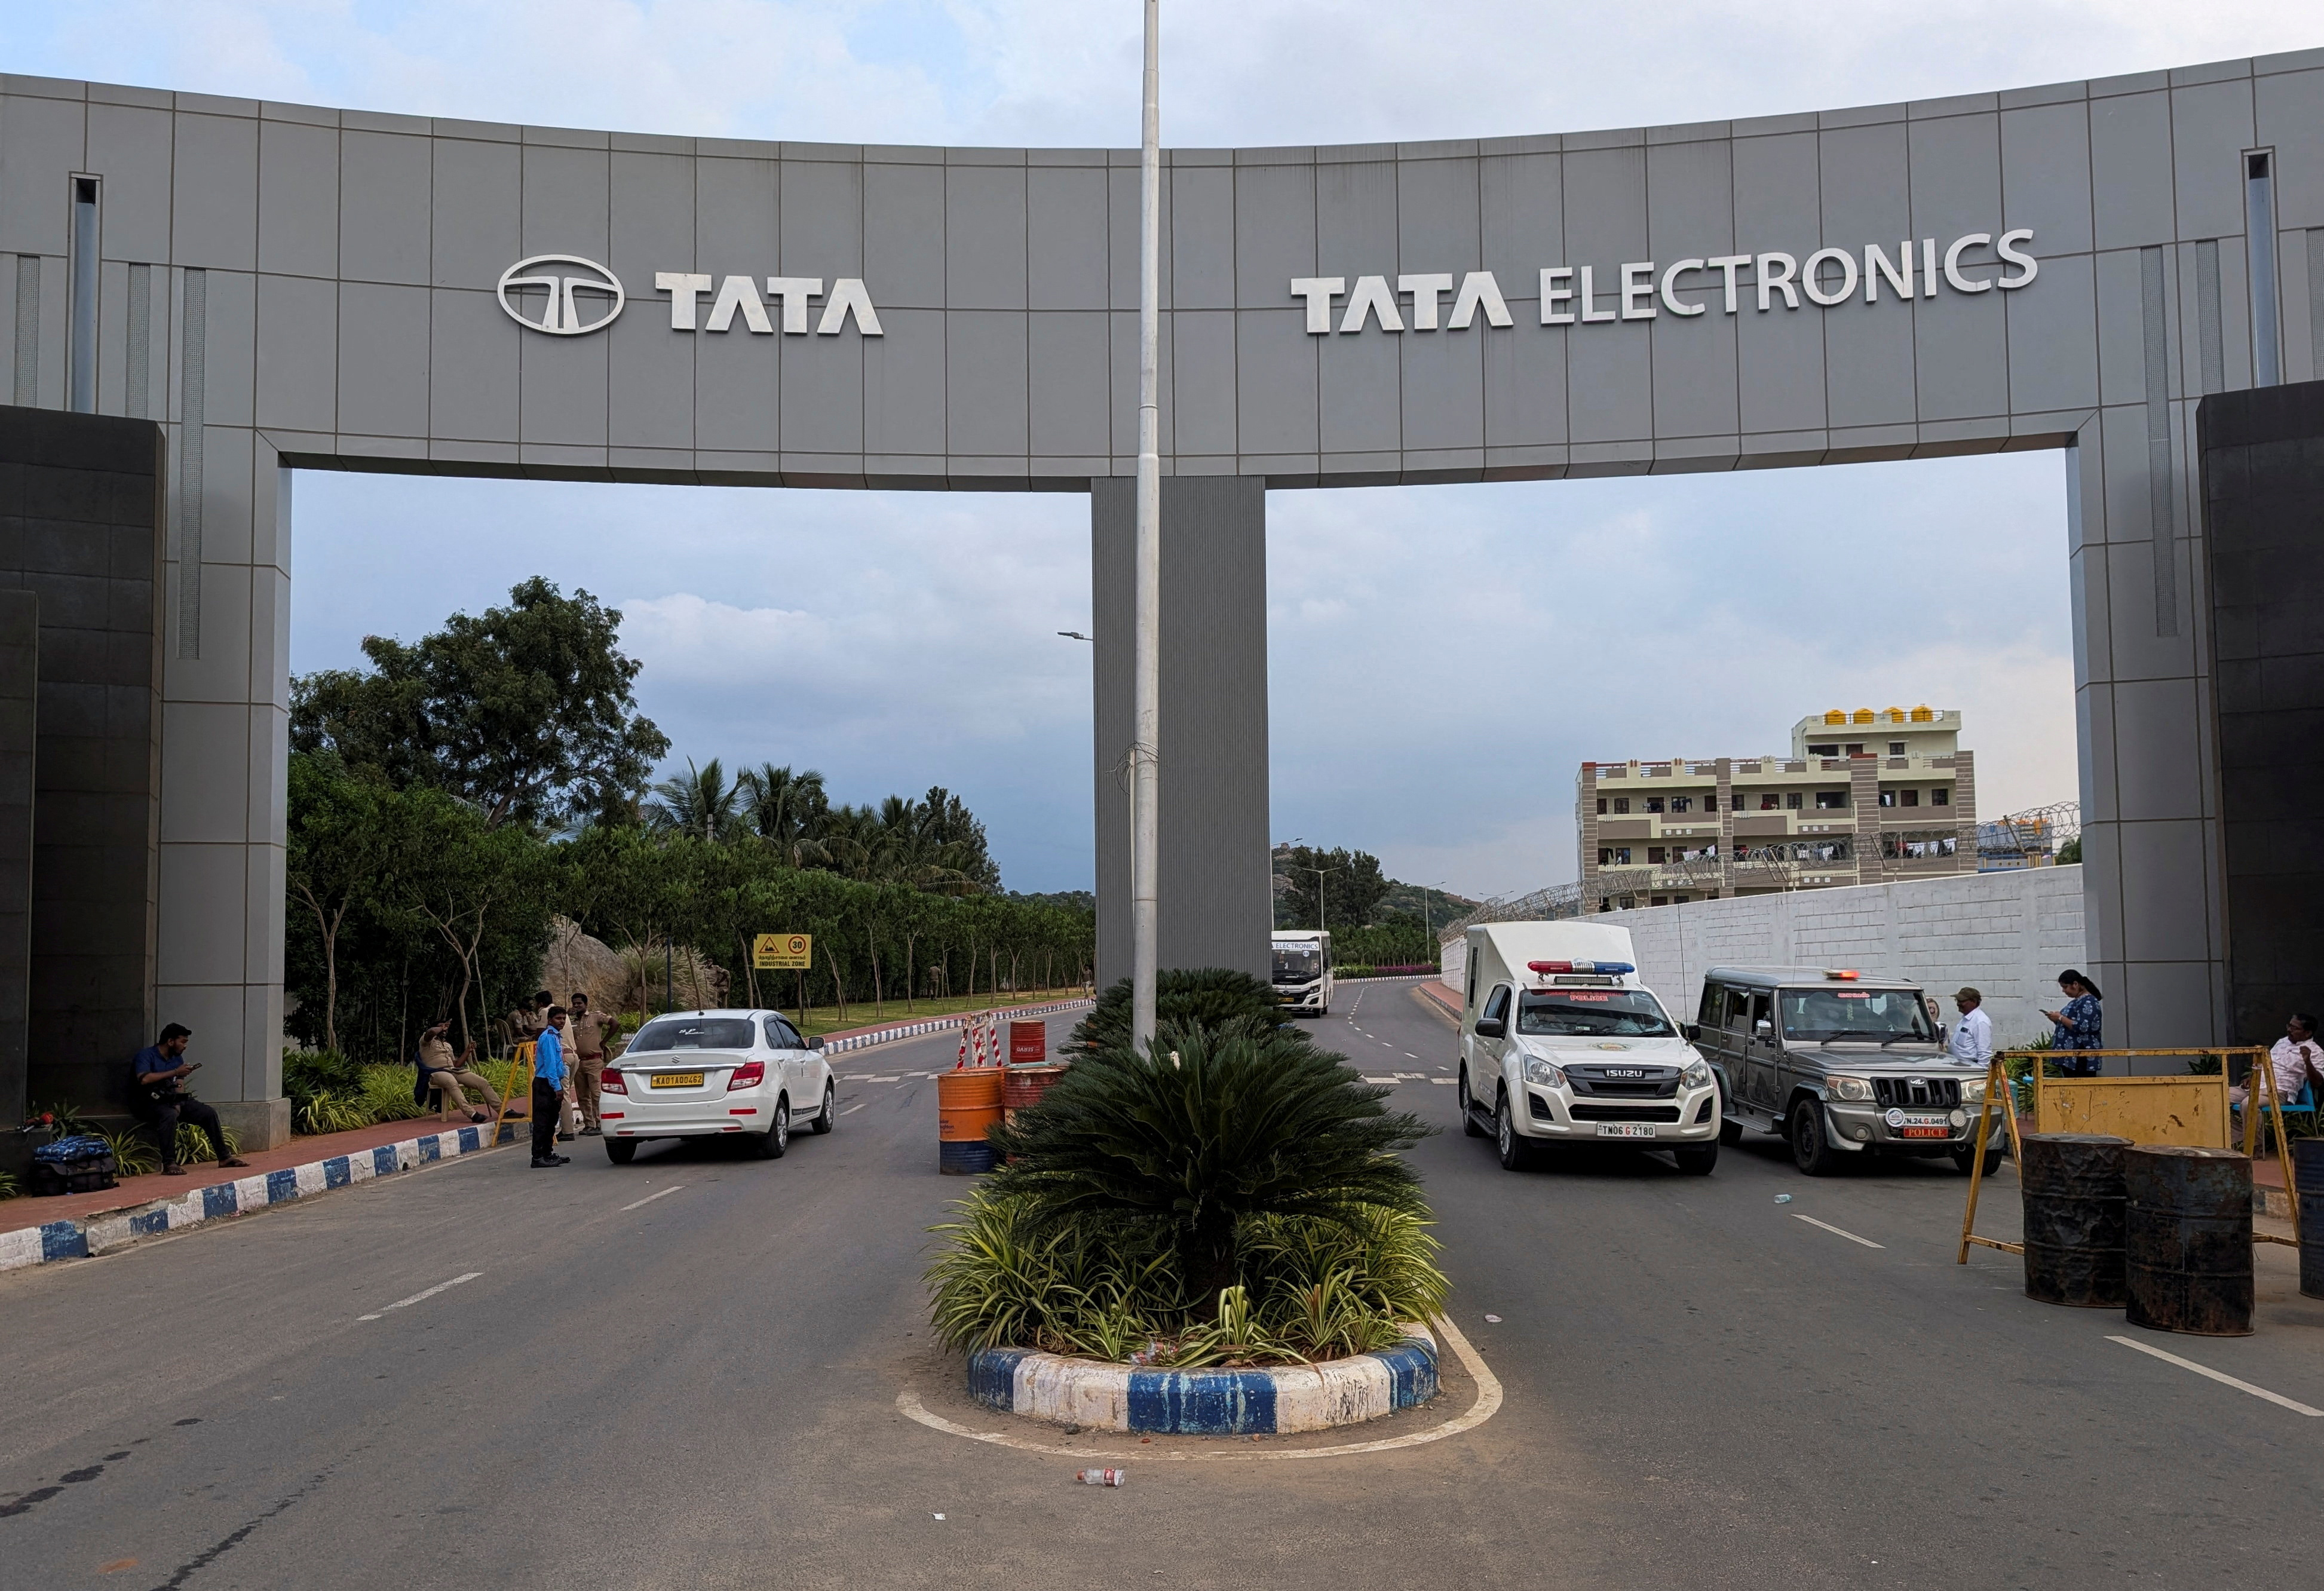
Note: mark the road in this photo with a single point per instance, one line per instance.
(697, 1388)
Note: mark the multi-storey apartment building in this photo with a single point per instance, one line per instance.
(1865, 797)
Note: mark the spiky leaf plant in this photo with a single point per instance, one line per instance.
(1213, 997)
(1216, 1127)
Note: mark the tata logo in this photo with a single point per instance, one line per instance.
(580, 296)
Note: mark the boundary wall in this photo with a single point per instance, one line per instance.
(2008, 935)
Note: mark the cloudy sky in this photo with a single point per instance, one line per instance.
(896, 641)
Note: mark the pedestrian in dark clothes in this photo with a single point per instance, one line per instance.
(158, 1094)
(548, 1090)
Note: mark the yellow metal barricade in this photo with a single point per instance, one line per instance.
(2190, 1109)
(519, 1086)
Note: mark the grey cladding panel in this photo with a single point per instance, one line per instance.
(1956, 183)
(2130, 149)
(1355, 220)
(1275, 233)
(1605, 209)
(1522, 218)
(1203, 354)
(823, 219)
(384, 237)
(1437, 219)
(903, 218)
(1445, 388)
(736, 226)
(2210, 126)
(567, 202)
(1274, 382)
(904, 385)
(1867, 190)
(215, 216)
(298, 343)
(383, 344)
(985, 381)
(1067, 373)
(472, 376)
(822, 389)
(1690, 200)
(44, 145)
(1202, 237)
(984, 237)
(2045, 175)
(1065, 224)
(2290, 112)
(478, 209)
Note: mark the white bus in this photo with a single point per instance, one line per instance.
(1303, 971)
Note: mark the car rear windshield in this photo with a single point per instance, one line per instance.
(1819, 1016)
(1621, 1013)
(693, 1033)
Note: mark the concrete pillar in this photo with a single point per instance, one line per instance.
(20, 654)
(1217, 907)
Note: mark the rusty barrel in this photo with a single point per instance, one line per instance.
(2188, 1239)
(1023, 1085)
(2074, 1216)
(2308, 1187)
(968, 1103)
(1029, 1041)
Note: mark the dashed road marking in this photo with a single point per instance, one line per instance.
(852, 1109)
(420, 1296)
(1827, 1227)
(2220, 1376)
(649, 1199)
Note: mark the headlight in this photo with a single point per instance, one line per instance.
(1972, 1090)
(1696, 1076)
(1848, 1087)
(1537, 1070)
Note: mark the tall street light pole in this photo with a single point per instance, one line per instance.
(1146, 780)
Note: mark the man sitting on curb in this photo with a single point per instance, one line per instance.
(441, 1070)
(548, 1090)
(158, 1094)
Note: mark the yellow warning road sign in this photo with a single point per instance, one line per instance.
(782, 952)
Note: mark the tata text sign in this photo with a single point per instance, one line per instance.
(576, 296)
(1641, 290)
(782, 952)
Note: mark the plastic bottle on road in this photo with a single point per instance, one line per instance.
(1100, 1477)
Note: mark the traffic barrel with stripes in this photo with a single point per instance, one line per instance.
(2188, 1239)
(968, 1106)
(2074, 1216)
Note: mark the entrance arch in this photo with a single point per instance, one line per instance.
(281, 287)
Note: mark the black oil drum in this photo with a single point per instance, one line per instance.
(2308, 1187)
(2074, 1216)
(2188, 1239)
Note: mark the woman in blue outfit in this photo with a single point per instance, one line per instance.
(2077, 1025)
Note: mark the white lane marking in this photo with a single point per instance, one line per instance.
(852, 1109)
(1488, 1404)
(418, 1297)
(649, 1199)
(2241, 1386)
(1408, 1055)
(1827, 1227)
(1445, 1082)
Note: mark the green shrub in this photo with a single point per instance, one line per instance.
(58, 1120)
(133, 1154)
(194, 1144)
(327, 1112)
(1213, 997)
(8, 1189)
(384, 1094)
(1225, 1124)
(309, 1072)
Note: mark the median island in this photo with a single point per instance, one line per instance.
(1218, 1236)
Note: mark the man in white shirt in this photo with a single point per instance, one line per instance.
(2295, 1055)
(1971, 1041)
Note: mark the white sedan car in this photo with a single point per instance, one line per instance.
(699, 1073)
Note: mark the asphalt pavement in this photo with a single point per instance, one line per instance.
(684, 1372)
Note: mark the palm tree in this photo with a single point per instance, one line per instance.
(788, 810)
(698, 801)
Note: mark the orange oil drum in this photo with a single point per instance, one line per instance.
(967, 1103)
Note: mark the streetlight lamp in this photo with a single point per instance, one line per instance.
(1320, 873)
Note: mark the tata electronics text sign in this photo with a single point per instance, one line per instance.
(1641, 290)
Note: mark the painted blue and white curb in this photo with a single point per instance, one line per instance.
(112, 1229)
(1279, 1399)
(936, 1024)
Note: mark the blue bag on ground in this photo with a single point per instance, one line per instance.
(66, 1151)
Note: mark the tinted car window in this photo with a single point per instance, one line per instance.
(1818, 1015)
(1618, 1014)
(781, 1035)
(693, 1033)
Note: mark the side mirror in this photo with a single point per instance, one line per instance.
(1490, 1027)
(1763, 1027)
(1690, 1031)
(816, 1042)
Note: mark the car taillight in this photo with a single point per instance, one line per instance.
(748, 1075)
(611, 1083)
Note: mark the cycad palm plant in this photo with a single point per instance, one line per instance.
(1220, 1126)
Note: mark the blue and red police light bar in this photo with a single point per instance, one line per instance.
(1602, 968)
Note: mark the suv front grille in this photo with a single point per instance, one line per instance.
(1625, 1113)
(1926, 1092)
(1655, 1082)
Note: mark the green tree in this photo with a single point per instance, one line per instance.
(699, 802)
(787, 810)
(526, 712)
(1351, 887)
(337, 845)
(470, 882)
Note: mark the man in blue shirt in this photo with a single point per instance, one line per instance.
(157, 1093)
(548, 1090)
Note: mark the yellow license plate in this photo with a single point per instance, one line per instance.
(677, 1080)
